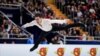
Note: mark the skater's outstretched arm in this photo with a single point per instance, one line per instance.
(58, 21)
(29, 24)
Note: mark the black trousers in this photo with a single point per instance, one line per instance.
(55, 28)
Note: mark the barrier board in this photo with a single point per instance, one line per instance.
(49, 50)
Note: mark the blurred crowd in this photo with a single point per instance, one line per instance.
(40, 7)
(10, 1)
(84, 11)
(4, 28)
(9, 30)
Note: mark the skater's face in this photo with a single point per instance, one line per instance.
(38, 19)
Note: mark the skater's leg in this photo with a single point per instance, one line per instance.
(42, 35)
(75, 25)
(36, 44)
(65, 27)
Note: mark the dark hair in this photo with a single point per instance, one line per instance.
(38, 15)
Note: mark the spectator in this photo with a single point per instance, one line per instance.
(44, 41)
(79, 14)
(56, 40)
(5, 34)
(30, 40)
(1, 20)
(97, 31)
(91, 10)
(15, 32)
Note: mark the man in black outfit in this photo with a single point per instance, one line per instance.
(46, 26)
